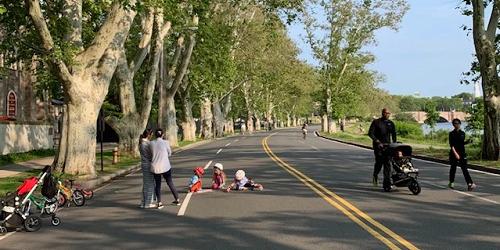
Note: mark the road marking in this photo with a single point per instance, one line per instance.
(7, 235)
(315, 148)
(462, 192)
(218, 152)
(227, 144)
(237, 140)
(184, 205)
(335, 201)
(208, 165)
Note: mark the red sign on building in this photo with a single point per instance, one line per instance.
(11, 105)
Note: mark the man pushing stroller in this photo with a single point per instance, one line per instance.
(381, 131)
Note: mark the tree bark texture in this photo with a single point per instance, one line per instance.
(206, 119)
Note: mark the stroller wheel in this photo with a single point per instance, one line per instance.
(56, 221)
(78, 198)
(3, 230)
(414, 187)
(32, 223)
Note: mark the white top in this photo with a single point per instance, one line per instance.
(161, 151)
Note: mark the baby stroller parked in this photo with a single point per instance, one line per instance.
(404, 174)
(15, 208)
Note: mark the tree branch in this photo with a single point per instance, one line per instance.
(73, 12)
(232, 90)
(170, 71)
(184, 65)
(36, 15)
(104, 37)
(493, 24)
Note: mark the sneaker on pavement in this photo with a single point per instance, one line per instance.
(375, 181)
(176, 203)
(471, 187)
(451, 185)
(151, 206)
(160, 205)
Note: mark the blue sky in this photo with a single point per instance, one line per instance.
(427, 55)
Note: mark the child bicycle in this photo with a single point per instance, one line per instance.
(88, 193)
(64, 193)
(46, 206)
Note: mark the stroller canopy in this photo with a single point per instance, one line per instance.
(405, 149)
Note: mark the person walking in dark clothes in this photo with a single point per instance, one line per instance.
(160, 166)
(458, 157)
(381, 131)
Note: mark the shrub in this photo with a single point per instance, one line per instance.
(440, 136)
(404, 117)
(409, 129)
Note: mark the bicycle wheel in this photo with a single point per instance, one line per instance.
(88, 194)
(62, 200)
(78, 198)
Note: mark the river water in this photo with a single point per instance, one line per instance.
(441, 126)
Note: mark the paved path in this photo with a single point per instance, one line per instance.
(16, 168)
(317, 195)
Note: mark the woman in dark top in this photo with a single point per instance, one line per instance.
(458, 157)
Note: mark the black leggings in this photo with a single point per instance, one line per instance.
(463, 165)
(168, 177)
(382, 160)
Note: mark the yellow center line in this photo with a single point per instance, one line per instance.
(324, 192)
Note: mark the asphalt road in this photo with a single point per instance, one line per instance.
(318, 195)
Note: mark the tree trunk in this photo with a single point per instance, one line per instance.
(229, 126)
(128, 129)
(219, 119)
(324, 123)
(288, 121)
(171, 121)
(294, 121)
(257, 124)
(486, 52)
(188, 124)
(63, 142)
(82, 119)
(206, 119)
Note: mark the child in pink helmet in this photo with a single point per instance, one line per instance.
(242, 183)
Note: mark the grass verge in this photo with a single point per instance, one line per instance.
(27, 156)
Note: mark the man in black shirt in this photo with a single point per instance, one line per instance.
(381, 131)
(458, 157)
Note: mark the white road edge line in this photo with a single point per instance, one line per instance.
(218, 152)
(227, 145)
(7, 235)
(237, 140)
(315, 148)
(184, 205)
(464, 193)
(208, 165)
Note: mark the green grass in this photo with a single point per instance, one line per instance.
(27, 156)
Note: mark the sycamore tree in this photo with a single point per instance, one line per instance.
(337, 31)
(485, 28)
(79, 42)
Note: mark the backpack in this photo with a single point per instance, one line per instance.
(49, 187)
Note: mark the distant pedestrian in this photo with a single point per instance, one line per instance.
(458, 157)
(148, 182)
(160, 166)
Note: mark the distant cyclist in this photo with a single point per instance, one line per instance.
(304, 130)
(381, 131)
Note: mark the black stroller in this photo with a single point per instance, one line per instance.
(403, 173)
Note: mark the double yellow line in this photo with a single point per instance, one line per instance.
(359, 217)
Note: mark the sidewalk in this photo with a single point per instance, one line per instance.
(16, 168)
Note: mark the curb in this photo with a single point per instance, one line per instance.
(420, 157)
(100, 181)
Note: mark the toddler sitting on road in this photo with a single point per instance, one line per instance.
(219, 177)
(195, 181)
(242, 183)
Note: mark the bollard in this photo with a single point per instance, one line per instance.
(115, 155)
